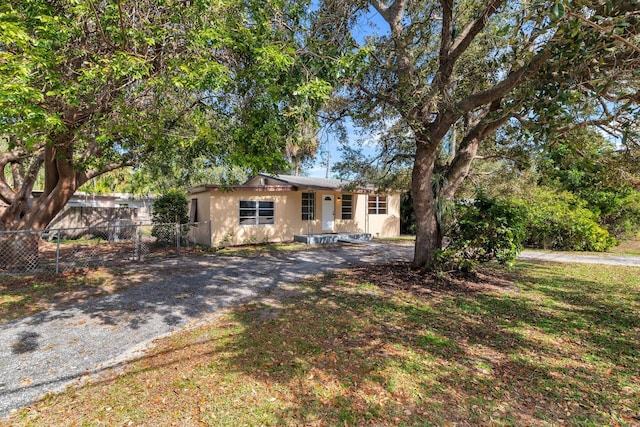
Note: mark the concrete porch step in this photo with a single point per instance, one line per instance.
(316, 239)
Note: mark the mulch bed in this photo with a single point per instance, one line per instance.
(401, 276)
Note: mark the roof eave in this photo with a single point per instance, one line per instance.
(222, 188)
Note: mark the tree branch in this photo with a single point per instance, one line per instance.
(446, 30)
(399, 156)
(603, 30)
(19, 201)
(450, 51)
(459, 167)
(7, 194)
(17, 173)
(123, 33)
(384, 98)
(497, 156)
(99, 25)
(90, 174)
(392, 14)
(441, 125)
(30, 178)
(499, 90)
(10, 156)
(472, 29)
(606, 119)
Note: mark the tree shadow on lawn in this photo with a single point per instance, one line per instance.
(604, 315)
(350, 352)
(170, 285)
(88, 331)
(384, 345)
(158, 300)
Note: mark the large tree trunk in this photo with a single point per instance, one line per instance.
(428, 237)
(35, 213)
(19, 250)
(61, 181)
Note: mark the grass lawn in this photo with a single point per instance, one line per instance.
(545, 344)
(262, 249)
(628, 247)
(30, 294)
(403, 238)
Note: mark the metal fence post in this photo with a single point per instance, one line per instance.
(138, 242)
(57, 251)
(178, 238)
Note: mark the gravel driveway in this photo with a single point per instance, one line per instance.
(53, 349)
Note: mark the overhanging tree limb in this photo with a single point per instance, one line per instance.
(450, 51)
(603, 30)
(527, 69)
(97, 104)
(500, 89)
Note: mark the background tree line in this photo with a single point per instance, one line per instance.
(170, 87)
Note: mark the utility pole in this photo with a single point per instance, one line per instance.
(326, 175)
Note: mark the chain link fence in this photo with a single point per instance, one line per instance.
(64, 249)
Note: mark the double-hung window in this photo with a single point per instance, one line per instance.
(377, 205)
(256, 212)
(308, 206)
(347, 206)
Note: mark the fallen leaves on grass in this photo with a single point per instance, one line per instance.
(385, 345)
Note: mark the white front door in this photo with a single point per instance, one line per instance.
(327, 212)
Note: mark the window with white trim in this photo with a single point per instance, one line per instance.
(256, 212)
(308, 206)
(347, 206)
(377, 205)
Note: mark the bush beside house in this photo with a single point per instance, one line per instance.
(169, 209)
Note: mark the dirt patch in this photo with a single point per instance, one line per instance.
(628, 247)
(400, 276)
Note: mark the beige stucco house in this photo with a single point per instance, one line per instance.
(277, 208)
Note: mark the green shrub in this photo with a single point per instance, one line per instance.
(561, 221)
(169, 209)
(624, 220)
(407, 214)
(486, 229)
(451, 259)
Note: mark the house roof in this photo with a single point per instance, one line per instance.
(268, 182)
(215, 187)
(306, 181)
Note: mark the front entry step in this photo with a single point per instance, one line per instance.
(317, 239)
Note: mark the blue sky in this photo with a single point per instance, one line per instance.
(329, 142)
(369, 23)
